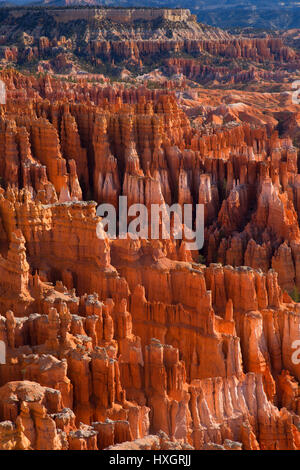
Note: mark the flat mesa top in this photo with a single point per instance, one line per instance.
(113, 14)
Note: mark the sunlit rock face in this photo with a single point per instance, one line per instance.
(121, 343)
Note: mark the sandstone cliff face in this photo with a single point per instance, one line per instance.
(134, 343)
(114, 365)
(258, 50)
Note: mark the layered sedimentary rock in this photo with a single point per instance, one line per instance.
(113, 365)
(244, 174)
(142, 343)
(113, 38)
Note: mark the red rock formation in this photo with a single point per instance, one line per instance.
(132, 343)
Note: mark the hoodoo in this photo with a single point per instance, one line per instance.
(135, 339)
